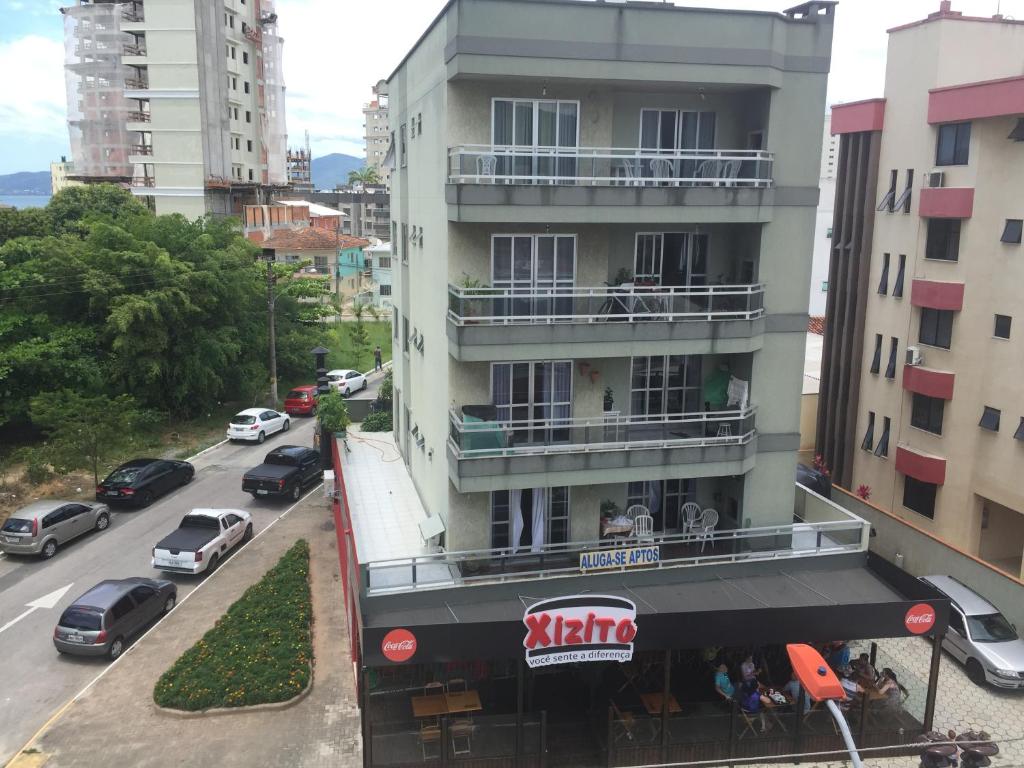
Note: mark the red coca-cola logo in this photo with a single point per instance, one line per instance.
(920, 618)
(398, 645)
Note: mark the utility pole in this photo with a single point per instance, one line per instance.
(270, 256)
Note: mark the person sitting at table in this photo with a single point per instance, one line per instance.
(723, 685)
(753, 701)
(892, 689)
(862, 665)
(852, 688)
(840, 655)
(792, 688)
(748, 670)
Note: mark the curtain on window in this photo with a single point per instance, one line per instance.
(515, 499)
(540, 509)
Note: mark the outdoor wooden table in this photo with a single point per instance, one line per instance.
(469, 701)
(653, 703)
(429, 706)
(609, 528)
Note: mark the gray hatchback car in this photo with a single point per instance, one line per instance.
(101, 621)
(43, 526)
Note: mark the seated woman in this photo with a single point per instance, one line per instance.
(723, 685)
(862, 666)
(893, 690)
(753, 701)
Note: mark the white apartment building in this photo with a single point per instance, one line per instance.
(375, 125)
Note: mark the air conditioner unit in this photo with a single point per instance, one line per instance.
(914, 356)
(936, 179)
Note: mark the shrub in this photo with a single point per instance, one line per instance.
(260, 651)
(333, 412)
(380, 421)
(37, 471)
(387, 386)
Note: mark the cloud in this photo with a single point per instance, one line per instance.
(32, 94)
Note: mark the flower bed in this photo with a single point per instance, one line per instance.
(259, 652)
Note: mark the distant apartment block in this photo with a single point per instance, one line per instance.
(375, 125)
(823, 222)
(59, 173)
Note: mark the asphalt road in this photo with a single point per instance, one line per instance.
(35, 680)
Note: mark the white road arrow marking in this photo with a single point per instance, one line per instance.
(46, 601)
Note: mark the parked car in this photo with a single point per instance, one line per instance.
(42, 526)
(817, 481)
(201, 540)
(285, 471)
(255, 424)
(980, 637)
(346, 382)
(139, 481)
(301, 401)
(100, 622)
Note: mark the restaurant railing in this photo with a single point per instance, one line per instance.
(472, 438)
(483, 738)
(611, 166)
(442, 570)
(617, 303)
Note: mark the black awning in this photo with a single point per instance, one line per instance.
(807, 600)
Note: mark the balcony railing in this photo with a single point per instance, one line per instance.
(502, 164)
(131, 49)
(476, 439)
(136, 83)
(143, 181)
(138, 117)
(623, 303)
(135, 14)
(141, 149)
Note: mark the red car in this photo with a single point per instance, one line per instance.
(301, 400)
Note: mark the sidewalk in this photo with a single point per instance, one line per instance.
(116, 722)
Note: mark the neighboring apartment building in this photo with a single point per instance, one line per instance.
(181, 100)
(823, 222)
(59, 173)
(366, 212)
(375, 124)
(923, 360)
(378, 263)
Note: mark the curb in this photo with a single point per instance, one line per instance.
(206, 450)
(215, 711)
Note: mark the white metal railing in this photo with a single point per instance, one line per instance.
(505, 164)
(474, 439)
(621, 303)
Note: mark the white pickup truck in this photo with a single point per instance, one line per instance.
(201, 540)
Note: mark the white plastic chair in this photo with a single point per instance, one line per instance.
(635, 510)
(643, 528)
(661, 168)
(707, 527)
(486, 165)
(691, 513)
(725, 430)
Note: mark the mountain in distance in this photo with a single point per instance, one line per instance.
(331, 170)
(25, 183)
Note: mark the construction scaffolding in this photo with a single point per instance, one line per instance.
(275, 131)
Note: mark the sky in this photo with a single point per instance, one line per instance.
(335, 50)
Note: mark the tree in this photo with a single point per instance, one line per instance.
(360, 338)
(365, 175)
(83, 431)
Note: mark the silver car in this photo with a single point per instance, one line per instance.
(980, 637)
(43, 526)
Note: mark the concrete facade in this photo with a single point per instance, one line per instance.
(763, 75)
(376, 131)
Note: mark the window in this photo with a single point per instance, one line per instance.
(1002, 330)
(405, 238)
(248, 116)
(385, 289)
(233, 50)
(403, 157)
(890, 196)
(1019, 434)
(234, 83)
(882, 449)
(245, 86)
(956, 622)
(919, 496)
(395, 246)
(236, 112)
(926, 413)
(664, 499)
(990, 419)
(1012, 231)
(394, 325)
(943, 240)
(142, 593)
(903, 201)
(248, 145)
(953, 145)
(897, 288)
(505, 519)
(384, 262)
(869, 435)
(883, 283)
(251, 177)
(405, 334)
(122, 608)
(936, 327)
(876, 360)
(890, 369)
(245, 57)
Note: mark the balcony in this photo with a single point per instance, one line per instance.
(483, 322)
(491, 454)
(133, 49)
(133, 14)
(138, 117)
(141, 149)
(136, 83)
(143, 181)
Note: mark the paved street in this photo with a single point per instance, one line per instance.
(36, 681)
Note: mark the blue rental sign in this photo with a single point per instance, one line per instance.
(619, 558)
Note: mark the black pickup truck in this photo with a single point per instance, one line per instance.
(285, 471)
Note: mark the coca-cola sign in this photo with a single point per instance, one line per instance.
(561, 630)
(398, 645)
(920, 618)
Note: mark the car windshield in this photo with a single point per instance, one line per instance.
(199, 521)
(244, 418)
(296, 394)
(991, 628)
(124, 475)
(334, 376)
(82, 618)
(18, 525)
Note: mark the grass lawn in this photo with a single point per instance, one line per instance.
(260, 651)
(338, 339)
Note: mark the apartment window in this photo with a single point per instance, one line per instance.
(245, 86)
(919, 496)
(248, 145)
(231, 21)
(384, 262)
(953, 145)
(402, 154)
(890, 369)
(926, 413)
(903, 201)
(943, 239)
(936, 327)
(236, 112)
(890, 196)
(385, 289)
(990, 419)
(897, 288)
(1002, 329)
(555, 504)
(233, 50)
(883, 283)
(1012, 231)
(234, 83)
(405, 239)
(882, 449)
(250, 174)
(245, 57)
(869, 435)
(394, 324)
(405, 335)
(248, 116)
(876, 360)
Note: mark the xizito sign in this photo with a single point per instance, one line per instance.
(561, 630)
(619, 558)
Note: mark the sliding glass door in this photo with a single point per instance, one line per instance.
(670, 131)
(530, 265)
(664, 499)
(529, 518)
(671, 258)
(534, 392)
(547, 129)
(665, 385)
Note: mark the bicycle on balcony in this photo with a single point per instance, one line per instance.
(624, 303)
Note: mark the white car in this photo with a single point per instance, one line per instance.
(345, 381)
(201, 540)
(255, 424)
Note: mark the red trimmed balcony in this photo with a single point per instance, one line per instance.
(925, 381)
(858, 116)
(937, 295)
(921, 466)
(946, 202)
(972, 101)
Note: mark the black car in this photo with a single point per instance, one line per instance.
(139, 481)
(285, 471)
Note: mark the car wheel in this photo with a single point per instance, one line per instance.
(116, 648)
(213, 564)
(975, 672)
(248, 533)
(49, 549)
(102, 521)
(260, 438)
(296, 492)
(146, 499)
(364, 384)
(254, 494)
(287, 425)
(189, 476)
(169, 603)
(313, 412)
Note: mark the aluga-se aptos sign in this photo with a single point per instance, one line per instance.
(619, 558)
(562, 630)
